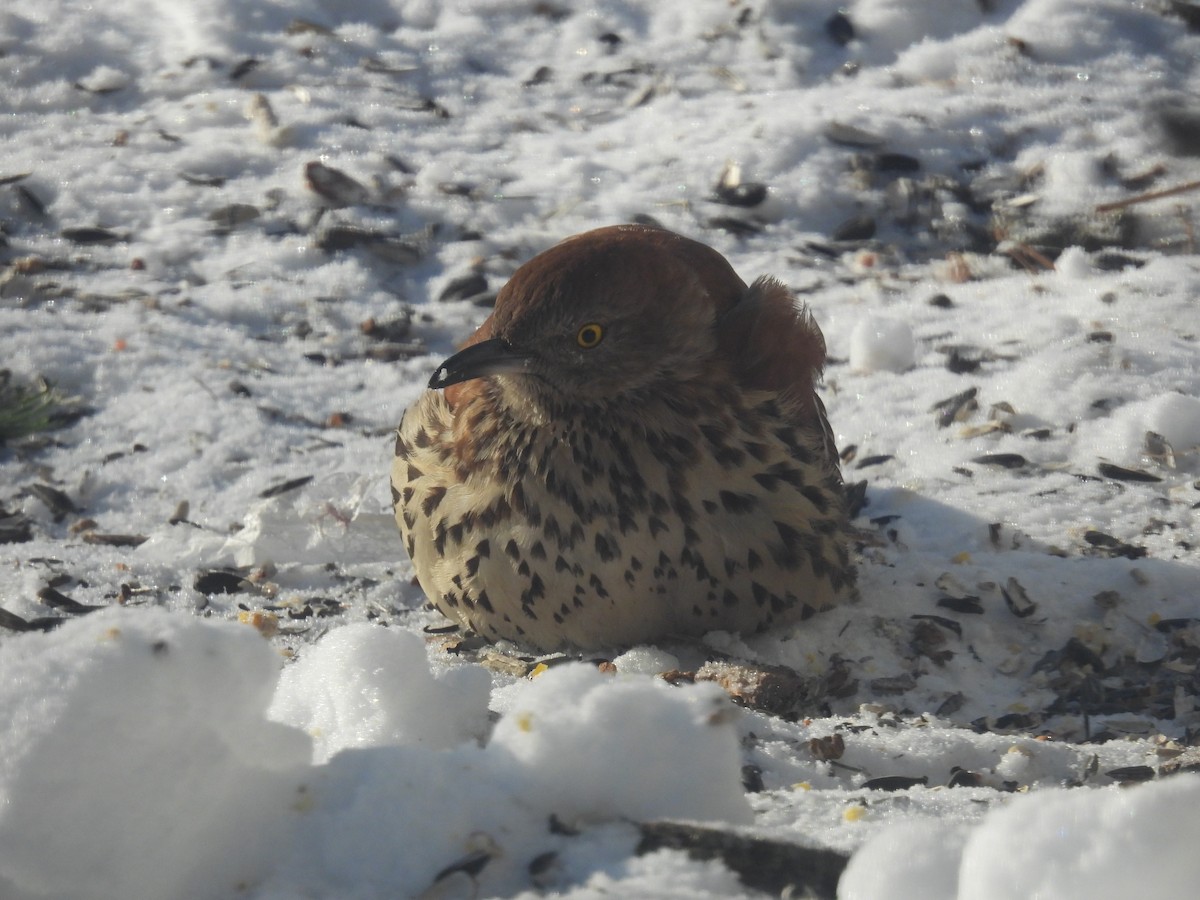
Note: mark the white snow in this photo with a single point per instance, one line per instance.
(223, 348)
(339, 693)
(1109, 843)
(139, 760)
(879, 344)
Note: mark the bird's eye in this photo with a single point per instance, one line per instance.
(589, 335)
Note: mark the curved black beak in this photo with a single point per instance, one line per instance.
(492, 357)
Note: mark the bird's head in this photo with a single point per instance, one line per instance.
(632, 311)
(606, 314)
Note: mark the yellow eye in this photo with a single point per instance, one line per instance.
(589, 335)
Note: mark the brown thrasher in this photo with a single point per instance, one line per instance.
(629, 448)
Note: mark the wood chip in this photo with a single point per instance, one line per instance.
(773, 689)
(219, 581)
(334, 185)
(895, 782)
(774, 867)
(464, 287)
(960, 777)
(91, 236)
(735, 226)
(1159, 449)
(213, 181)
(878, 459)
(60, 601)
(827, 748)
(1109, 545)
(15, 528)
(114, 540)
(853, 136)
(893, 684)
(227, 218)
(58, 502)
(504, 663)
(732, 191)
(956, 408)
(948, 624)
(963, 605)
(243, 68)
(1120, 473)
(1131, 774)
(1017, 600)
(1001, 460)
(13, 622)
(285, 487)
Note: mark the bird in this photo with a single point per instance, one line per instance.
(629, 449)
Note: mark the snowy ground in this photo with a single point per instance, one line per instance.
(1014, 373)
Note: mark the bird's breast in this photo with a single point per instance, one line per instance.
(609, 529)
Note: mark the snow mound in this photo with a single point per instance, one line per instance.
(879, 344)
(137, 761)
(1102, 843)
(613, 748)
(157, 758)
(363, 686)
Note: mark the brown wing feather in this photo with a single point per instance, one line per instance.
(772, 343)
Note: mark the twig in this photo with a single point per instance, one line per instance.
(204, 387)
(1149, 195)
(1026, 256)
